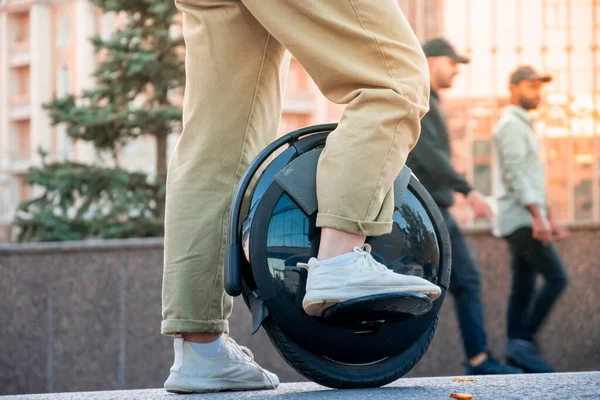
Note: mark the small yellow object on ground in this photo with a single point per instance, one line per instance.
(461, 396)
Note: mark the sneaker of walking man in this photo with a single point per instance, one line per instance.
(430, 162)
(526, 221)
(363, 54)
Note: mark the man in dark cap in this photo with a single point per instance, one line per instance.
(526, 221)
(430, 161)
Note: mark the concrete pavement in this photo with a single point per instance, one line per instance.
(581, 385)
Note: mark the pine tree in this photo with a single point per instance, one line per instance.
(140, 71)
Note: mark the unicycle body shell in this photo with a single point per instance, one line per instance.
(272, 228)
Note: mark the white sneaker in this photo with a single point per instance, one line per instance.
(327, 286)
(233, 368)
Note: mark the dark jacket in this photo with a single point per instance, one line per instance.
(430, 160)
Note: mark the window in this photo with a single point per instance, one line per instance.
(583, 177)
(63, 81)
(556, 13)
(558, 171)
(482, 171)
(483, 178)
(21, 86)
(23, 139)
(583, 200)
(64, 141)
(20, 29)
(24, 189)
(63, 34)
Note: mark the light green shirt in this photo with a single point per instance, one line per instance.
(519, 175)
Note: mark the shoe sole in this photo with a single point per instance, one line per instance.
(212, 386)
(513, 363)
(185, 391)
(316, 308)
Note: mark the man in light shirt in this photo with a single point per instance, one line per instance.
(431, 162)
(525, 220)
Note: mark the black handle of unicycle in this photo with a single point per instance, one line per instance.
(234, 253)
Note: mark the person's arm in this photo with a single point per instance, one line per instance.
(534, 210)
(437, 164)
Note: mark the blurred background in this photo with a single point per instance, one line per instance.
(82, 117)
(45, 51)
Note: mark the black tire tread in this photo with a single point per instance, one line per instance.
(282, 343)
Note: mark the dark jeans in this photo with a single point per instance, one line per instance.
(528, 307)
(465, 287)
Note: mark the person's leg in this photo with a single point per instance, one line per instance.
(465, 287)
(231, 110)
(546, 260)
(523, 351)
(522, 291)
(364, 54)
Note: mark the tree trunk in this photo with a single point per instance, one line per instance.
(161, 170)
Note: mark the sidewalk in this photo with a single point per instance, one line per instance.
(582, 385)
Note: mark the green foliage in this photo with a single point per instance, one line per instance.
(81, 202)
(140, 61)
(139, 72)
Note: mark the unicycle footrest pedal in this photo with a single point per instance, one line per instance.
(378, 309)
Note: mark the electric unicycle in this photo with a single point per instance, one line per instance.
(365, 342)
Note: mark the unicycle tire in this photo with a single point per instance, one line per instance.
(334, 375)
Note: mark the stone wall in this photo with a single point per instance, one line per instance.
(86, 316)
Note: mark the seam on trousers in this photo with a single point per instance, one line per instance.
(401, 94)
(178, 5)
(351, 225)
(177, 326)
(223, 219)
(362, 228)
(353, 220)
(387, 67)
(387, 160)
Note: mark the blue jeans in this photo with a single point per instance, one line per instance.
(465, 287)
(527, 306)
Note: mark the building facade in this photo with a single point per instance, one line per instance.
(44, 51)
(558, 37)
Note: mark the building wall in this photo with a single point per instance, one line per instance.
(559, 37)
(304, 104)
(24, 66)
(92, 311)
(44, 51)
(60, 31)
(556, 36)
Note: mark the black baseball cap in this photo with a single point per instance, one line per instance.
(441, 47)
(527, 73)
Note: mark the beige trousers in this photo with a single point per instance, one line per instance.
(362, 53)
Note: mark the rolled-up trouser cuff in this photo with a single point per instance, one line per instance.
(173, 326)
(368, 228)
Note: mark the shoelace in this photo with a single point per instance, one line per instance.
(247, 355)
(366, 253)
(243, 351)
